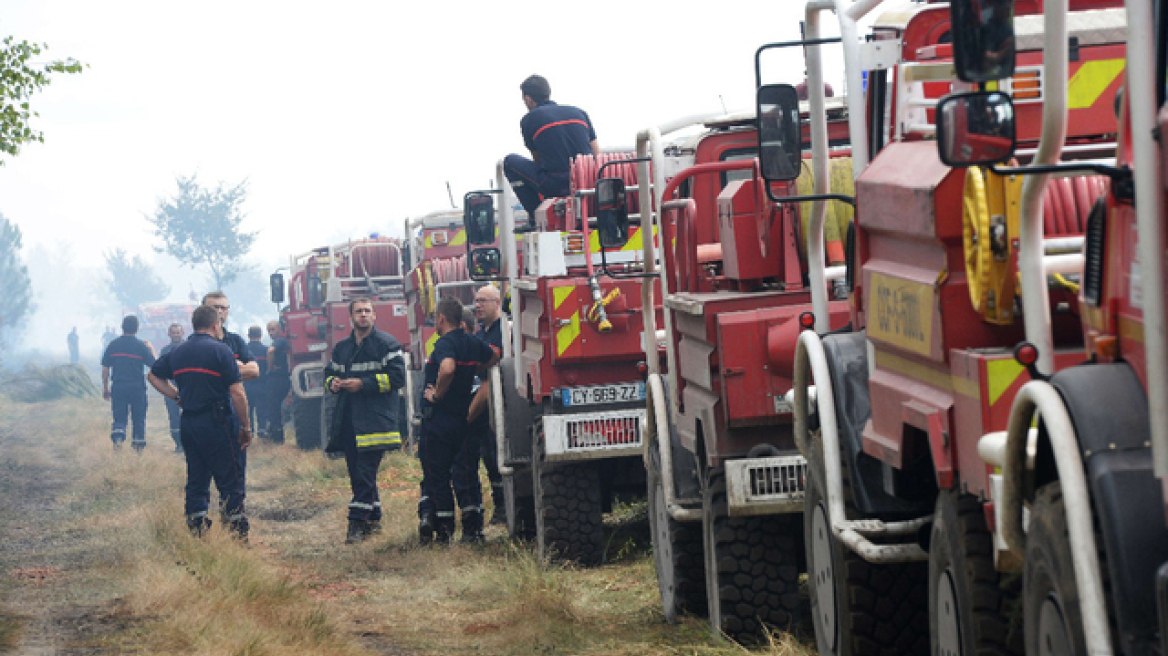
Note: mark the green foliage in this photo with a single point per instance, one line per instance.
(15, 284)
(20, 78)
(201, 226)
(133, 281)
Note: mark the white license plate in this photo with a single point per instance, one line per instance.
(598, 394)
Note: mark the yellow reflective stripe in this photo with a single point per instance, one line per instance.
(1091, 80)
(568, 333)
(459, 238)
(383, 385)
(430, 344)
(1002, 374)
(328, 381)
(378, 439)
(561, 294)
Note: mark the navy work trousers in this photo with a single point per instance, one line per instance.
(278, 386)
(211, 443)
(174, 413)
(443, 440)
(532, 184)
(363, 467)
(465, 474)
(257, 407)
(128, 401)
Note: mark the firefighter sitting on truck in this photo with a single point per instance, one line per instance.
(554, 134)
(366, 372)
(450, 373)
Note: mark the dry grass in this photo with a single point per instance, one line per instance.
(297, 590)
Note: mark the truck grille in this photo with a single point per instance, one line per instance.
(595, 433)
(766, 485)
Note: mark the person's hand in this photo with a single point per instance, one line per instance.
(335, 386)
(429, 395)
(244, 438)
(105, 394)
(352, 384)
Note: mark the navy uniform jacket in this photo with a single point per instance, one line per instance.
(203, 369)
(238, 346)
(378, 362)
(259, 353)
(125, 356)
(493, 336)
(558, 133)
(279, 363)
(468, 352)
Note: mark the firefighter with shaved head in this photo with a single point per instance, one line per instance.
(210, 392)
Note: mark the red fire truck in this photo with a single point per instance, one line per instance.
(571, 382)
(155, 318)
(322, 283)
(952, 270)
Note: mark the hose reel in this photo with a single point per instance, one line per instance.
(989, 226)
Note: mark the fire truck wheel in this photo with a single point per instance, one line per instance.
(568, 518)
(971, 603)
(1052, 619)
(306, 422)
(752, 567)
(677, 552)
(520, 506)
(857, 608)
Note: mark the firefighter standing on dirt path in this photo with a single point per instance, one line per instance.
(173, 412)
(211, 394)
(450, 373)
(365, 374)
(255, 388)
(248, 369)
(487, 309)
(554, 134)
(122, 361)
(279, 381)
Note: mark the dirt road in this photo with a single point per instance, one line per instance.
(95, 559)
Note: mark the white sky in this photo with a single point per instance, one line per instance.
(345, 117)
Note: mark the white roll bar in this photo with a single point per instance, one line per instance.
(664, 447)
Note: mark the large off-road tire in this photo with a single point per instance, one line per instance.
(971, 602)
(306, 421)
(517, 492)
(1052, 617)
(857, 608)
(677, 551)
(752, 567)
(568, 510)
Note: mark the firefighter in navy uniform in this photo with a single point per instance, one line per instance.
(255, 388)
(211, 394)
(488, 311)
(122, 361)
(363, 379)
(450, 374)
(279, 382)
(173, 412)
(248, 369)
(554, 134)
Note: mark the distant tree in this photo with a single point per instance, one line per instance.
(201, 226)
(133, 281)
(15, 284)
(19, 80)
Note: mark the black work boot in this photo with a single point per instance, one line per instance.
(199, 526)
(444, 531)
(472, 527)
(358, 531)
(375, 527)
(239, 529)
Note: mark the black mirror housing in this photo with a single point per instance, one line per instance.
(478, 217)
(612, 213)
(779, 135)
(276, 282)
(484, 263)
(975, 129)
(983, 39)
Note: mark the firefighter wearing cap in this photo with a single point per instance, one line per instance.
(450, 374)
(211, 394)
(122, 362)
(554, 134)
(363, 379)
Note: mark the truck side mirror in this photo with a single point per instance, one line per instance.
(983, 39)
(612, 213)
(780, 141)
(484, 263)
(478, 216)
(276, 282)
(975, 129)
